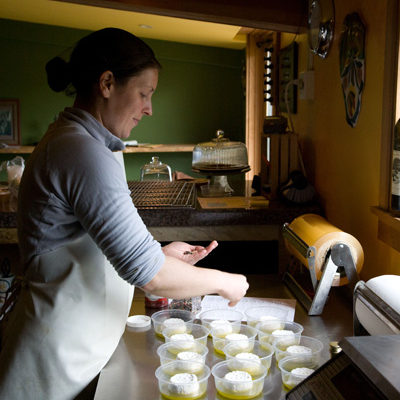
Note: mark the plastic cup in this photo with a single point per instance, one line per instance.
(239, 389)
(264, 353)
(314, 346)
(159, 319)
(295, 369)
(189, 390)
(169, 351)
(285, 331)
(198, 333)
(255, 315)
(244, 337)
(234, 317)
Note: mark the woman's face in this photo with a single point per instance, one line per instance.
(128, 103)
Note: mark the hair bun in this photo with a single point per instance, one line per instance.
(58, 74)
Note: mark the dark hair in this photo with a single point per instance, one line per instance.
(116, 50)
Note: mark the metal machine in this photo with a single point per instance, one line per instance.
(332, 257)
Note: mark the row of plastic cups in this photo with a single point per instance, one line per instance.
(267, 332)
(253, 315)
(233, 378)
(196, 351)
(179, 319)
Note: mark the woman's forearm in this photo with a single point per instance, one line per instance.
(177, 279)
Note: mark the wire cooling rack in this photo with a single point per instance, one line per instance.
(158, 194)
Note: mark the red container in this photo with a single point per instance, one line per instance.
(152, 301)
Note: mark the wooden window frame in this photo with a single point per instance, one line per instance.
(388, 225)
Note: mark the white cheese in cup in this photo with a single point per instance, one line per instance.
(238, 381)
(252, 367)
(268, 324)
(195, 366)
(184, 384)
(285, 337)
(221, 327)
(297, 349)
(183, 341)
(238, 340)
(303, 371)
(297, 375)
(177, 324)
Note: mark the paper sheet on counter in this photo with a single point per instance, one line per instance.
(287, 306)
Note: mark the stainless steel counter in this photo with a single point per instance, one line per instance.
(130, 372)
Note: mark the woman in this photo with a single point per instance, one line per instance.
(82, 242)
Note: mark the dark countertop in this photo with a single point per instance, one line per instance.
(275, 214)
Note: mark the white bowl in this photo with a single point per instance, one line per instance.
(190, 390)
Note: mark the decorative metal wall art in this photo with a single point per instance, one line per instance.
(352, 65)
(321, 26)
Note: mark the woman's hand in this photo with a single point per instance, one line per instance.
(187, 252)
(234, 287)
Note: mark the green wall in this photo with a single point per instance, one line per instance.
(199, 90)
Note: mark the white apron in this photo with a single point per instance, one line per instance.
(66, 325)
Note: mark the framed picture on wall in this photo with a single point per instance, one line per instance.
(9, 121)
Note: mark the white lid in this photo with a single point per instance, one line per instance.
(138, 321)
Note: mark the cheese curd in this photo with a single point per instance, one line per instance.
(238, 381)
(252, 367)
(239, 341)
(184, 384)
(193, 367)
(220, 327)
(176, 324)
(183, 341)
(269, 324)
(297, 349)
(285, 337)
(295, 376)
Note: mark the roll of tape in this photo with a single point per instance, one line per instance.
(316, 231)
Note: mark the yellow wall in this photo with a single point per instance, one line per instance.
(344, 162)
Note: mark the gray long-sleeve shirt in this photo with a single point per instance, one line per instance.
(73, 184)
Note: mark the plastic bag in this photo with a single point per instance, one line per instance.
(14, 168)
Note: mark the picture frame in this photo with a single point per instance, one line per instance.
(9, 122)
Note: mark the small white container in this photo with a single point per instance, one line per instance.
(159, 319)
(240, 389)
(193, 389)
(295, 369)
(264, 353)
(242, 339)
